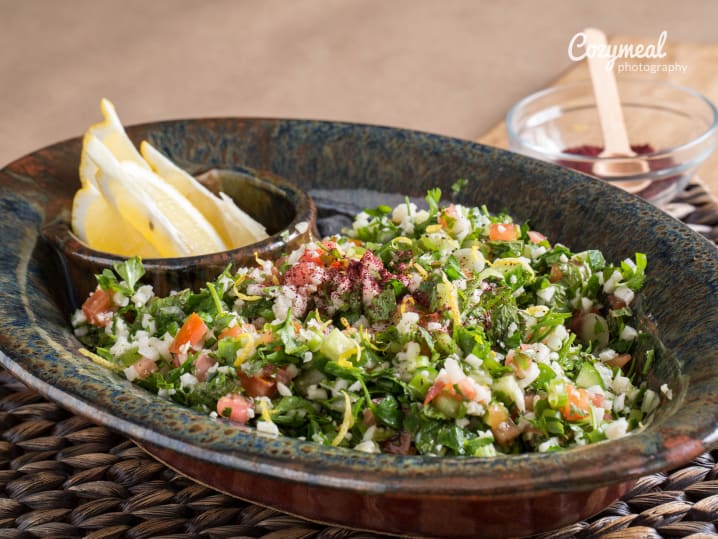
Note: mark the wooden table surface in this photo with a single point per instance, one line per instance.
(452, 68)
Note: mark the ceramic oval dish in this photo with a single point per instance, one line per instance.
(408, 495)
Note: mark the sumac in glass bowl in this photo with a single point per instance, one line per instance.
(672, 129)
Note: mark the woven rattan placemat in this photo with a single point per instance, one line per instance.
(63, 476)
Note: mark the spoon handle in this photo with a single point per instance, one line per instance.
(608, 102)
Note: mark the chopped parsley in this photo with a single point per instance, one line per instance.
(447, 331)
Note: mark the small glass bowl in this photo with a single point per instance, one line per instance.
(677, 122)
(287, 212)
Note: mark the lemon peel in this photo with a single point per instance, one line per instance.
(112, 134)
(452, 298)
(234, 225)
(99, 360)
(98, 224)
(155, 209)
(140, 203)
(347, 421)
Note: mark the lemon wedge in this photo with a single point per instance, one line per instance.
(140, 203)
(231, 222)
(99, 225)
(112, 134)
(155, 209)
(238, 221)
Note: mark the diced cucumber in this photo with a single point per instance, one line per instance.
(589, 376)
(314, 340)
(447, 405)
(594, 329)
(557, 396)
(508, 388)
(421, 381)
(487, 450)
(596, 417)
(336, 344)
(651, 400)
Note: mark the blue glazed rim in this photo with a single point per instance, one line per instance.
(38, 348)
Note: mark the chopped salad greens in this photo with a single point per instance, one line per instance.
(447, 331)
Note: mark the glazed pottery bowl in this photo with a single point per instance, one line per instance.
(509, 495)
(671, 126)
(286, 212)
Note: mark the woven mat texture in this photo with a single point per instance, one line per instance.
(63, 476)
(698, 208)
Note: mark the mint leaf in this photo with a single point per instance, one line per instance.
(131, 270)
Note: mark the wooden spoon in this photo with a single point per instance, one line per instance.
(610, 114)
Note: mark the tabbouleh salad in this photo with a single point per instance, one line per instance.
(446, 331)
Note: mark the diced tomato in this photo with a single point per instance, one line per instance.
(283, 375)
(144, 367)
(451, 211)
(467, 389)
(265, 338)
(192, 331)
(434, 391)
(448, 216)
(506, 432)
(231, 331)
(578, 406)
(321, 255)
(619, 361)
(536, 237)
(496, 414)
(311, 255)
(201, 365)
(258, 385)
(513, 362)
(329, 245)
(264, 383)
(241, 409)
(597, 399)
(98, 308)
(502, 426)
(503, 232)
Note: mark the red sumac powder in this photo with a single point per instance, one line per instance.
(589, 150)
(654, 190)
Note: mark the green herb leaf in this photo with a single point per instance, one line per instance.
(131, 270)
(433, 197)
(387, 411)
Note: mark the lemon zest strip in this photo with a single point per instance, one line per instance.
(99, 360)
(248, 346)
(346, 422)
(264, 411)
(453, 301)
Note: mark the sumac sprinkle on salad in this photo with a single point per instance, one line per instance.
(438, 331)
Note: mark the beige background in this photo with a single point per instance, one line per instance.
(452, 67)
